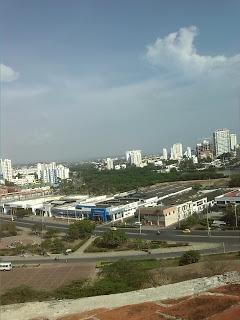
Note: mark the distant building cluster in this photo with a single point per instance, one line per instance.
(45, 173)
(51, 172)
(223, 142)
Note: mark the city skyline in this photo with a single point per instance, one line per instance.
(119, 76)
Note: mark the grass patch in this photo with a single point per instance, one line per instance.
(133, 244)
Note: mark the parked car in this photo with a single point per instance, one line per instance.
(185, 231)
(137, 223)
(113, 228)
(158, 232)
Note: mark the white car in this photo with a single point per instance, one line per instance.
(113, 228)
(137, 223)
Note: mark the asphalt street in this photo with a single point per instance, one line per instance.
(228, 240)
(228, 236)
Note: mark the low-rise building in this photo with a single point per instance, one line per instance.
(232, 197)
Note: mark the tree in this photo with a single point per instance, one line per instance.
(189, 257)
(230, 215)
(53, 245)
(80, 229)
(57, 246)
(37, 228)
(113, 239)
(21, 213)
(235, 181)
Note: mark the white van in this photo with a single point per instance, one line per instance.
(5, 266)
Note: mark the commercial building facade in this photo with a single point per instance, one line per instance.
(232, 197)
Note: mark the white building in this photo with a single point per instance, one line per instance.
(164, 154)
(233, 141)
(221, 140)
(177, 151)
(49, 173)
(6, 172)
(62, 172)
(109, 164)
(189, 153)
(28, 179)
(134, 157)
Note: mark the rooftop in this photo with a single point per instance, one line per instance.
(232, 194)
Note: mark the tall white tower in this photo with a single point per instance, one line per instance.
(109, 163)
(177, 151)
(189, 153)
(233, 141)
(6, 169)
(165, 154)
(221, 140)
(134, 157)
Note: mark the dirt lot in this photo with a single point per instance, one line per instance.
(46, 277)
(205, 306)
(23, 236)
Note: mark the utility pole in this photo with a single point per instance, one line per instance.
(224, 250)
(236, 218)
(139, 221)
(67, 216)
(12, 214)
(42, 224)
(208, 228)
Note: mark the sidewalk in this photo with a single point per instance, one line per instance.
(114, 254)
(81, 250)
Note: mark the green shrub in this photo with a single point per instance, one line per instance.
(189, 257)
(23, 294)
(111, 239)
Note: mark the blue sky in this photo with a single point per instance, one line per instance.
(82, 79)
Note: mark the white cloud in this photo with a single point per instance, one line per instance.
(177, 52)
(7, 74)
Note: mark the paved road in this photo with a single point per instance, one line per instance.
(230, 237)
(227, 240)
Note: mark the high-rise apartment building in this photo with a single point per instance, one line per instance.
(134, 157)
(189, 153)
(109, 162)
(62, 172)
(6, 172)
(177, 151)
(233, 141)
(164, 154)
(221, 141)
(51, 173)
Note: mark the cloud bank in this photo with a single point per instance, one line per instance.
(7, 74)
(186, 97)
(177, 52)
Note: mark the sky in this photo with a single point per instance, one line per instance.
(94, 78)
